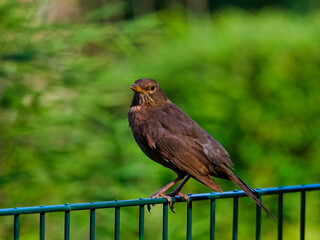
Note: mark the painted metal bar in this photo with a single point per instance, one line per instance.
(146, 201)
(302, 215)
(280, 215)
(117, 223)
(165, 221)
(212, 218)
(258, 220)
(16, 227)
(141, 222)
(42, 226)
(189, 220)
(235, 218)
(67, 225)
(92, 224)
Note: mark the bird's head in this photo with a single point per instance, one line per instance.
(148, 92)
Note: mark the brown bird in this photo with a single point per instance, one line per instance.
(170, 137)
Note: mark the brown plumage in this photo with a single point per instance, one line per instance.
(170, 137)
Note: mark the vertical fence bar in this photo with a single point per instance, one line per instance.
(189, 220)
(16, 227)
(302, 215)
(141, 222)
(92, 223)
(42, 226)
(212, 218)
(258, 220)
(235, 218)
(67, 225)
(117, 223)
(165, 222)
(280, 215)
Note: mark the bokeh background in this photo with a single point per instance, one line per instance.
(247, 71)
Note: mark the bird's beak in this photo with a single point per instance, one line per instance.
(136, 88)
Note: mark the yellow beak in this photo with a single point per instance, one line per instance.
(136, 88)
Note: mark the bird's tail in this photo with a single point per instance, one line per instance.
(250, 192)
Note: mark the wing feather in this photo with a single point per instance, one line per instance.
(173, 120)
(183, 142)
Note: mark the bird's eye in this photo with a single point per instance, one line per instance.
(152, 87)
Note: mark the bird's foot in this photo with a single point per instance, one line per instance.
(177, 193)
(160, 194)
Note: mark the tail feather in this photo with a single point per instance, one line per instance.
(250, 192)
(250, 188)
(210, 183)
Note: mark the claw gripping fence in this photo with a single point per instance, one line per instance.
(142, 202)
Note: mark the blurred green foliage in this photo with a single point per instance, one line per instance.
(251, 80)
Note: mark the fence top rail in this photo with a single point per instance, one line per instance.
(145, 201)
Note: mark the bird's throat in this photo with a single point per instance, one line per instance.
(140, 100)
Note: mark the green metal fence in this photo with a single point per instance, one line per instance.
(142, 202)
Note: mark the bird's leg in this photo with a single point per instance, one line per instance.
(178, 189)
(160, 192)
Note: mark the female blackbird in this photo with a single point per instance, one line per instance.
(170, 137)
